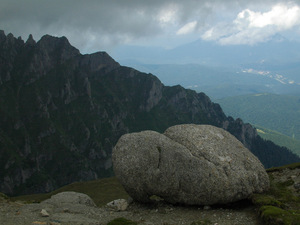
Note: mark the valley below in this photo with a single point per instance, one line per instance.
(276, 117)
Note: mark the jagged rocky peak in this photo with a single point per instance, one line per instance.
(49, 52)
(30, 40)
(2, 36)
(98, 61)
(9, 39)
(60, 46)
(9, 48)
(10, 36)
(243, 131)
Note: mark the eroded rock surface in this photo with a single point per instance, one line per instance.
(189, 164)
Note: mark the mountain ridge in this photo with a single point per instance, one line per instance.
(274, 51)
(62, 112)
(221, 70)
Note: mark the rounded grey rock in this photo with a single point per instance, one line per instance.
(70, 197)
(189, 164)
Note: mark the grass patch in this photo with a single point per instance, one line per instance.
(281, 192)
(260, 131)
(260, 200)
(290, 166)
(121, 221)
(275, 215)
(279, 205)
(101, 191)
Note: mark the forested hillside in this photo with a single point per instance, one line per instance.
(279, 138)
(276, 112)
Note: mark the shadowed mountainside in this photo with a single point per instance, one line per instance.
(62, 112)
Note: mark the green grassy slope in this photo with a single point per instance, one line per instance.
(279, 139)
(101, 191)
(279, 113)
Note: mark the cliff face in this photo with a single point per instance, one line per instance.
(61, 113)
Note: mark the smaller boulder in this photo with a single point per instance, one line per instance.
(70, 197)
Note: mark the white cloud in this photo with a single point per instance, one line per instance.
(209, 34)
(251, 27)
(281, 16)
(168, 14)
(187, 28)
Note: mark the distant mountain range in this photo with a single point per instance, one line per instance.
(221, 82)
(222, 71)
(276, 52)
(61, 113)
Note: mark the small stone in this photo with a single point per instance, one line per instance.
(55, 223)
(66, 210)
(39, 223)
(118, 205)
(44, 213)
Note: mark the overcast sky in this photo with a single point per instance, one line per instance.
(96, 25)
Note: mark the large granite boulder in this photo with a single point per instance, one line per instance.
(189, 164)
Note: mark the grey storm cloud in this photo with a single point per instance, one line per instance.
(109, 21)
(134, 16)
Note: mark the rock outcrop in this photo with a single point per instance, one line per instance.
(189, 164)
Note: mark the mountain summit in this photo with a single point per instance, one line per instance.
(62, 112)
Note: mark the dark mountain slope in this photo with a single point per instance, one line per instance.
(61, 113)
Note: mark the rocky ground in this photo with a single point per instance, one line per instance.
(75, 208)
(55, 213)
